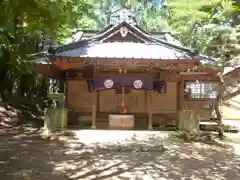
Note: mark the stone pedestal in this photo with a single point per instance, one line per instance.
(56, 119)
(188, 120)
(121, 121)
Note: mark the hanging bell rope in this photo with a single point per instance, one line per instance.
(123, 109)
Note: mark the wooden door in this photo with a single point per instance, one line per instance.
(111, 101)
(133, 101)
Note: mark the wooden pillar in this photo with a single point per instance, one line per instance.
(94, 103)
(146, 101)
(66, 89)
(98, 101)
(149, 107)
(94, 109)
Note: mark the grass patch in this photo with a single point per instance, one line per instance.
(203, 137)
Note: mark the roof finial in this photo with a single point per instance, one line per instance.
(123, 15)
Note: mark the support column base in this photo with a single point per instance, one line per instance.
(93, 127)
(150, 128)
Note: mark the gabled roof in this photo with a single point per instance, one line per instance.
(85, 34)
(233, 67)
(124, 40)
(125, 50)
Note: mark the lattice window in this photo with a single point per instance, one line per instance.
(200, 90)
(160, 86)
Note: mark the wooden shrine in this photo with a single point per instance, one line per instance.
(123, 49)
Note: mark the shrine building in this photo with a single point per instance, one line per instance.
(142, 79)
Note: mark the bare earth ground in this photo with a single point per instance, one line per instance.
(96, 155)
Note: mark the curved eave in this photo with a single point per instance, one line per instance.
(40, 63)
(39, 58)
(232, 71)
(48, 70)
(139, 65)
(98, 58)
(205, 58)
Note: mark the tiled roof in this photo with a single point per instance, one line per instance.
(234, 65)
(229, 70)
(166, 39)
(125, 50)
(39, 58)
(145, 45)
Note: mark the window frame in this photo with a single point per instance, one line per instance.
(201, 94)
(164, 89)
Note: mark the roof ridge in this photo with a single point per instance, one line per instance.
(88, 39)
(169, 44)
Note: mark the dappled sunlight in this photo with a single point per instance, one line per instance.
(103, 136)
(134, 155)
(151, 158)
(24, 155)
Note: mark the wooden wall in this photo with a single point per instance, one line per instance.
(80, 100)
(165, 103)
(109, 101)
(78, 97)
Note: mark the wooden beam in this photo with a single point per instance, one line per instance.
(193, 73)
(94, 109)
(149, 103)
(146, 101)
(78, 62)
(94, 104)
(201, 77)
(66, 89)
(98, 101)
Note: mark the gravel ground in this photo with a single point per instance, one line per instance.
(96, 155)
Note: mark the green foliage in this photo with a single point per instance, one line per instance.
(27, 26)
(200, 23)
(205, 137)
(211, 26)
(205, 25)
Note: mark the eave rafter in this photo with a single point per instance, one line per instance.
(130, 64)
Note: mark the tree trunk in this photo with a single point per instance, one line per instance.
(2, 94)
(219, 118)
(3, 73)
(9, 87)
(43, 88)
(217, 104)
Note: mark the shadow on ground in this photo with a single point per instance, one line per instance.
(26, 156)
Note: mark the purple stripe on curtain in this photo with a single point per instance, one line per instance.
(89, 83)
(117, 81)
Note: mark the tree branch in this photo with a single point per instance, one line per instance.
(231, 95)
